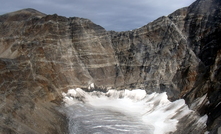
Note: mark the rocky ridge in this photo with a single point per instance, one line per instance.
(43, 55)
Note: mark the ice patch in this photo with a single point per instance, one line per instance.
(202, 120)
(148, 112)
(91, 86)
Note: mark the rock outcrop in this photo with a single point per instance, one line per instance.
(42, 56)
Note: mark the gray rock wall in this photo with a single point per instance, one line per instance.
(42, 56)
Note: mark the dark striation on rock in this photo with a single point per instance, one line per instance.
(42, 56)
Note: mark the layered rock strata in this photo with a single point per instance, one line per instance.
(42, 56)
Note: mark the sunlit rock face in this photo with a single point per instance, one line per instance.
(42, 56)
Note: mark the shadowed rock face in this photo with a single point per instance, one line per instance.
(42, 56)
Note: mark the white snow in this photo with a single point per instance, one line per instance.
(153, 109)
(91, 86)
(202, 120)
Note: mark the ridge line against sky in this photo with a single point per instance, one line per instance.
(117, 15)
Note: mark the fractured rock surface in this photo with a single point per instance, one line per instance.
(42, 56)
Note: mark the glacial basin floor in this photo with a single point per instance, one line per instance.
(89, 120)
(123, 112)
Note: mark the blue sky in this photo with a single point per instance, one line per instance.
(118, 15)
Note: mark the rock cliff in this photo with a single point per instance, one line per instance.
(42, 56)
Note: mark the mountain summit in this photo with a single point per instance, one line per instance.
(21, 15)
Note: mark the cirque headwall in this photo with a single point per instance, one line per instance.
(43, 55)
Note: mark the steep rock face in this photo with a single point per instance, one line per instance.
(178, 54)
(152, 55)
(43, 55)
(25, 94)
(203, 26)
